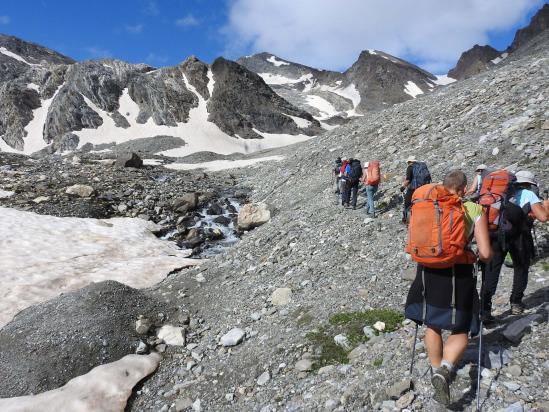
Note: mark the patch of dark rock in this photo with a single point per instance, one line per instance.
(48, 344)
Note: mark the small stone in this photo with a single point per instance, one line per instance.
(330, 404)
(545, 125)
(398, 389)
(304, 365)
(380, 326)
(342, 341)
(389, 405)
(281, 296)
(41, 199)
(80, 190)
(172, 335)
(495, 151)
(512, 386)
(255, 316)
(197, 405)
(363, 293)
(142, 326)
(368, 220)
(263, 378)
(229, 397)
(183, 404)
(142, 348)
(515, 407)
(232, 337)
(325, 370)
(122, 207)
(405, 400)
(514, 370)
(369, 332)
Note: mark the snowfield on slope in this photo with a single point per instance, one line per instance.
(44, 256)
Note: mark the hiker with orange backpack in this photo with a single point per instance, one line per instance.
(371, 177)
(443, 295)
(511, 205)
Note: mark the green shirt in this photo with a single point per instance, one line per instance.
(473, 212)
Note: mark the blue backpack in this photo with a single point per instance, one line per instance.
(420, 175)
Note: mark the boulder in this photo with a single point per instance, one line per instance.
(128, 159)
(80, 190)
(232, 337)
(186, 202)
(281, 296)
(253, 215)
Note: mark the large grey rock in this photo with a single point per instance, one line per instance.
(128, 160)
(515, 330)
(48, 344)
(253, 215)
(80, 190)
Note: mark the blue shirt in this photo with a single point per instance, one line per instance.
(525, 196)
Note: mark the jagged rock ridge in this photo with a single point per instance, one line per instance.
(375, 81)
(47, 98)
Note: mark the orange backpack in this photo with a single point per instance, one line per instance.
(374, 175)
(436, 233)
(495, 191)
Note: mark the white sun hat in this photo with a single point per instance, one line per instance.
(411, 159)
(366, 164)
(481, 167)
(524, 176)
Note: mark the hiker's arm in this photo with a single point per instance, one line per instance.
(483, 239)
(539, 210)
(473, 187)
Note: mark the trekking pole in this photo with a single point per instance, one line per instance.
(481, 310)
(413, 351)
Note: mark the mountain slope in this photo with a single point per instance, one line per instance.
(48, 99)
(375, 81)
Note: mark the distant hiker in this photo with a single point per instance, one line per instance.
(336, 174)
(371, 176)
(517, 209)
(342, 177)
(474, 190)
(417, 175)
(353, 173)
(443, 295)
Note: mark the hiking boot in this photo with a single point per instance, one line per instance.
(441, 383)
(517, 308)
(354, 207)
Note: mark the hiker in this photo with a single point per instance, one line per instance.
(336, 174)
(474, 190)
(518, 241)
(443, 295)
(353, 173)
(342, 177)
(371, 177)
(417, 175)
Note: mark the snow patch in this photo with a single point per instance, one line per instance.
(33, 86)
(152, 162)
(105, 388)
(277, 79)
(372, 51)
(276, 62)
(349, 92)
(443, 80)
(500, 58)
(211, 82)
(46, 255)
(35, 129)
(217, 165)
(15, 56)
(4, 194)
(412, 89)
(322, 105)
(301, 123)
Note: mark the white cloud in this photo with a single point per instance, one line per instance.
(330, 34)
(188, 21)
(5, 19)
(98, 52)
(135, 29)
(151, 8)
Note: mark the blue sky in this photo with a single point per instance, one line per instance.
(165, 32)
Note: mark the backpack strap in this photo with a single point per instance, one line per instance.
(424, 303)
(453, 303)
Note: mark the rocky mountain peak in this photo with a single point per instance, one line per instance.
(474, 61)
(31, 53)
(538, 24)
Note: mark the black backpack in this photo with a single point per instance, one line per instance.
(356, 172)
(420, 175)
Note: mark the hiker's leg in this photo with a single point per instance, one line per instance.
(354, 189)
(454, 347)
(370, 195)
(490, 275)
(345, 197)
(433, 344)
(373, 206)
(407, 204)
(521, 264)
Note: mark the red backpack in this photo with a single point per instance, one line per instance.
(373, 175)
(495, 191)
(436, 233)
